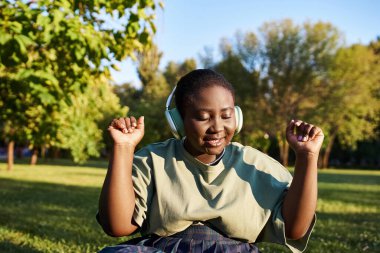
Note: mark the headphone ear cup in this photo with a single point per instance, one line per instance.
(175, 122)
(239, 119)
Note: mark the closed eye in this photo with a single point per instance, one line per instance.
(202, 117)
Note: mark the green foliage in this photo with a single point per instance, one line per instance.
(51, 51)
(352, 80)
(293, 60)
(174, 71)
(347, 202)
(246, 95)
(150, 100)
(82, 122)
(291, 71)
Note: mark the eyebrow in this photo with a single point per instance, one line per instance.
(208, 110)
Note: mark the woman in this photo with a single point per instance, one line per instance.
(204, 193)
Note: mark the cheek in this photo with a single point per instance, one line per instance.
(231, 127)
(230, 134)
(194, 128)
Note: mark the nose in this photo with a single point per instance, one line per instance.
(216, 125)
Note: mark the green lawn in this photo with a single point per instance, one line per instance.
(51, 208)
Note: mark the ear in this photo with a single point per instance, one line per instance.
(239, 119)
(175, 122)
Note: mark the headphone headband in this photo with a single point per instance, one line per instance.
(169, 100)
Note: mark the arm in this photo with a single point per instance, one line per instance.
(301, 200)
(117, 198)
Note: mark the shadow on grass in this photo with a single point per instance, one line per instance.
(53, 212)
(58, 215)
(10, 247)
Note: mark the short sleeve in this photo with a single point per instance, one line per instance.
(274, 230)
(142, 184)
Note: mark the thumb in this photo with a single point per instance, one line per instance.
(290, 128)
(140, 123)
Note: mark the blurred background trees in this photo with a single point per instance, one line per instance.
(57, 94)
(55, 56)
(290, 71)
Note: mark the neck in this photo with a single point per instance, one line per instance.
(204, 157)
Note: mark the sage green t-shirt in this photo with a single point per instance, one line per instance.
(241, 196)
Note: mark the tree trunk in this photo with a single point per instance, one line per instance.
(43, 152)
(33, 160)
(56, 153)
(326, 155)
(284, 152)
(10, 155)
(319, 162)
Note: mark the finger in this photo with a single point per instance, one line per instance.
(119, 124)
(302, 130)
(299, 130)
(290, 127)
(315, 131)
(297, 122)
(306, 131)
(112, 124)
(127, 121)
(140, 123)
(133, 122)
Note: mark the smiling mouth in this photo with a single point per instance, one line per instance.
(214, 142)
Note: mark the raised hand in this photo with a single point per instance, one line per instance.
(304, 138)
(127, 130)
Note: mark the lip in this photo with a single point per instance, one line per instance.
(213, 142)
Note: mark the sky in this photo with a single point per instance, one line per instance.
(186, 27)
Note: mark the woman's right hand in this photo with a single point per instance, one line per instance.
(127, 130)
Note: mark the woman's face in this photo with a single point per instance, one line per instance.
(209, 123)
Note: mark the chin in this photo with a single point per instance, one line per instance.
(214, 150)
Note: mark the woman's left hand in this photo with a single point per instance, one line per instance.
(304, 138)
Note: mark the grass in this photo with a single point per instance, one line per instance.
(51, 208)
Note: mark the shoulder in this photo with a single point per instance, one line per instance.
(159, 147)
(250, 154)
(253, 157)
(155, 154)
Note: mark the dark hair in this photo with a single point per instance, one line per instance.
(193, 82)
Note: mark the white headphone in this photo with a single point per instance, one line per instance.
(176, 123)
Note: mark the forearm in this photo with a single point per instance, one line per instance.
(117, 198)
(301, 200)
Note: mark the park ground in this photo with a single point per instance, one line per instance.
(52, 207)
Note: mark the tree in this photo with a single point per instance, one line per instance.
(302, 71)
(293, 59)
(348, 109)
(82, 124)
(285, 64)
(150, 99)
(239, 64)
(52, 50)
(245, 83)
(175, 70)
